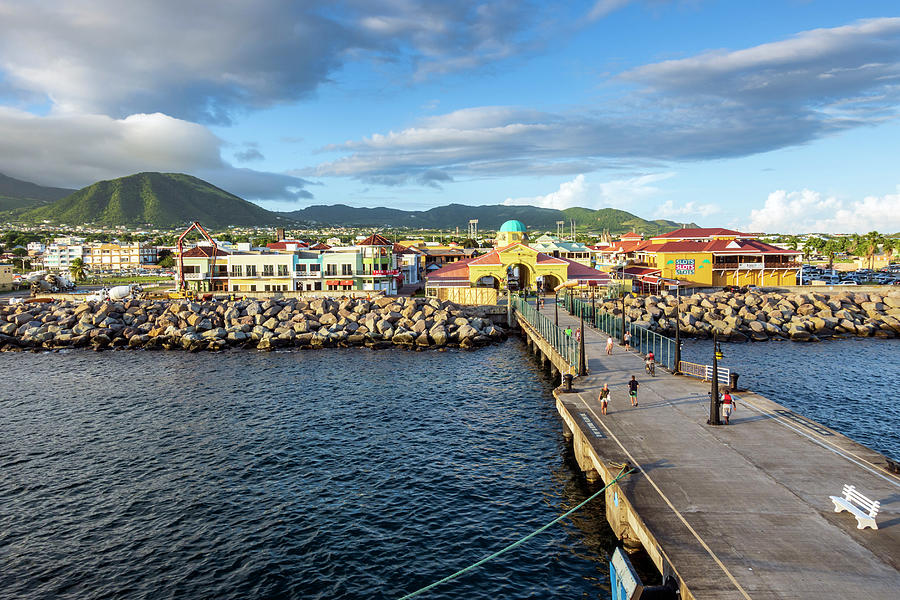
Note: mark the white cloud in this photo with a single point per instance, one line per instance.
(809, 211)
(602, 8)
(690, 210)
(580, 193)
(714, 105)
(70, 150)
(206, 61)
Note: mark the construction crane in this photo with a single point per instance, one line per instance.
(180, 246)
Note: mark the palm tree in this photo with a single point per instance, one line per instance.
(871, 242)
(77, 270)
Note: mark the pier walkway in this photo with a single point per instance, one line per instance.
(737, 511)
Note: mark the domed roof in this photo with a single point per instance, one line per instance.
(513, 225)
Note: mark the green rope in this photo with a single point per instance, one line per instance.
(621, 474)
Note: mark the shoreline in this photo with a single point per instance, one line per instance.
(419, 323)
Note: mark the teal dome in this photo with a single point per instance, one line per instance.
(513, 226)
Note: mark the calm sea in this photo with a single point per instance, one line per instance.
(337, 473)
(329, 474)
(851, 385)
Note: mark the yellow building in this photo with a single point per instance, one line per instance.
(510, 233)
(523, 266)
(712, 257)
(118, 257)
(6, 277)
(723, 259)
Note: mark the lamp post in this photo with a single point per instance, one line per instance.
(677, 369)
(556, 306)
(582, 363)
(622, 288)
(714, 388)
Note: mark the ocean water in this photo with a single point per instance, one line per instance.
(317, 474)
(851, 385)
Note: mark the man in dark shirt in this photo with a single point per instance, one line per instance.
(632, 390)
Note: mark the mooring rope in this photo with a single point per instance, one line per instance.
(621, 474)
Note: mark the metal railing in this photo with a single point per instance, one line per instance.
(566, 346)
(642, 339)
(704, 372)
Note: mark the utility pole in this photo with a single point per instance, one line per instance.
(582, 363)
(714, 391)
(556, 306)
(677, 369)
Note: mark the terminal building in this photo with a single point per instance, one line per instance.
(515, 263)
(703, 257)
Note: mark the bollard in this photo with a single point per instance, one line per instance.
(567, 382)
(732, 383)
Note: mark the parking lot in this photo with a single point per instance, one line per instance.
(886, 276)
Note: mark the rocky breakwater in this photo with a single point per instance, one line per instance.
(760, 316)
(212, 325)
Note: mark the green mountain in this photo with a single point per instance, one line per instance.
(158, 199)
(16, 194)
(489, 217)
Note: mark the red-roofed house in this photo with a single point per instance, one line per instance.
(523, 266)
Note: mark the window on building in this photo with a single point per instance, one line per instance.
(346, 269)
(330, 270)
(251, 271)
(253, 288)
(236, 270)
(282, 270)
(318, 285)
(315, 268)
(268, 270)
(300, 267)
(268, 288)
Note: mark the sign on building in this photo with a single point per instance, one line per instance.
(754, 265)
(684, 266)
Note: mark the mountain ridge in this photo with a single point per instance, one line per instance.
(151, 198)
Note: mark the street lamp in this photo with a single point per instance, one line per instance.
(556, 305)
(622, 289)
(714, 391)
(582, 363)
(677, 329)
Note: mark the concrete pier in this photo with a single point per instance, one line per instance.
(739, 511)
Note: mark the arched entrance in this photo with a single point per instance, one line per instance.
(520, 273)
(548, 282)
(488, 281)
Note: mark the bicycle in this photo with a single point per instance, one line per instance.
(650, 367)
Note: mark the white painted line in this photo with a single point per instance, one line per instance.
(840, 452)
(668, 502)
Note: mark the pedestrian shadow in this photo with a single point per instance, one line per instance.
(657, 464)
(893, 499)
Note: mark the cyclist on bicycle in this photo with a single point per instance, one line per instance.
(650, 365)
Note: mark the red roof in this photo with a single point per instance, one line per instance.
(458, 272)
(642, 271)
(724, 247)
(320, 246)
(628, 246)
(204, 251)
(701, 232)
(376, 240)
(283, 244)
(631, 235)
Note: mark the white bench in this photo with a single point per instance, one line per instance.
(851, 498)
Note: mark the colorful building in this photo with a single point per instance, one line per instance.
(516, 262)
(713, 257)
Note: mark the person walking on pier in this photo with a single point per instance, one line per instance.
(632, 390)
(609, 345)
(568, 331)
(627, 340)
(604, 398)
(728, 406)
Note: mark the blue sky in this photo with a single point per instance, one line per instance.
(767, 116)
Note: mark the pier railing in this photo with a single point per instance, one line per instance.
(642, 339)
(704, 372)
(566, 346)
